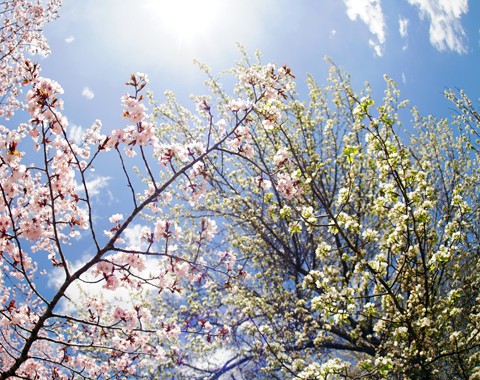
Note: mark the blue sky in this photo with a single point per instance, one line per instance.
(425, 45)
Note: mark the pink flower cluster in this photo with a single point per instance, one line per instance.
(43, 104)
(281, 157)
(241, 142)
(21, 24)
(288, 186)
(134, 110)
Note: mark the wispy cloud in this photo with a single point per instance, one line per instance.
(403, 29)
(69, 39)
(87, 93)
(446, 31)
(132, 236)
(370, 12)
(95, 185)
(75, 133)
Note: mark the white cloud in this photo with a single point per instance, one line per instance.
(446, 31)
(132, 236)
(95, 185)
(403, 29)
(370, 12)
(404, 78)
(87, 93)
(377, 47)
(69, 39)
(75, 133)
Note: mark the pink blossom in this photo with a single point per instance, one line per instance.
(281, 156)
(104, 267)
(237, 105)
(221, 125)
(135, 261)
(115, 218)
(196, 191)
(112, 282)
(164, 229)
(133, 109)
(209, 228)
(207, 327)
(271, 93)
(119, 314)
(167, 197)
(286, 186)
(181, 269)
(130, 152)
(268, 124)
(166, 153)
(198, 169)
(264, 184)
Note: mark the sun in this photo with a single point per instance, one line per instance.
(186, 20)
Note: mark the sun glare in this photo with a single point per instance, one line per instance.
(186, 20)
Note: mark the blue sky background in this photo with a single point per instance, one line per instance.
(97, 44)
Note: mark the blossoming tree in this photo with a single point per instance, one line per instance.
(264, 235)
(46, 205)
(360, 245)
